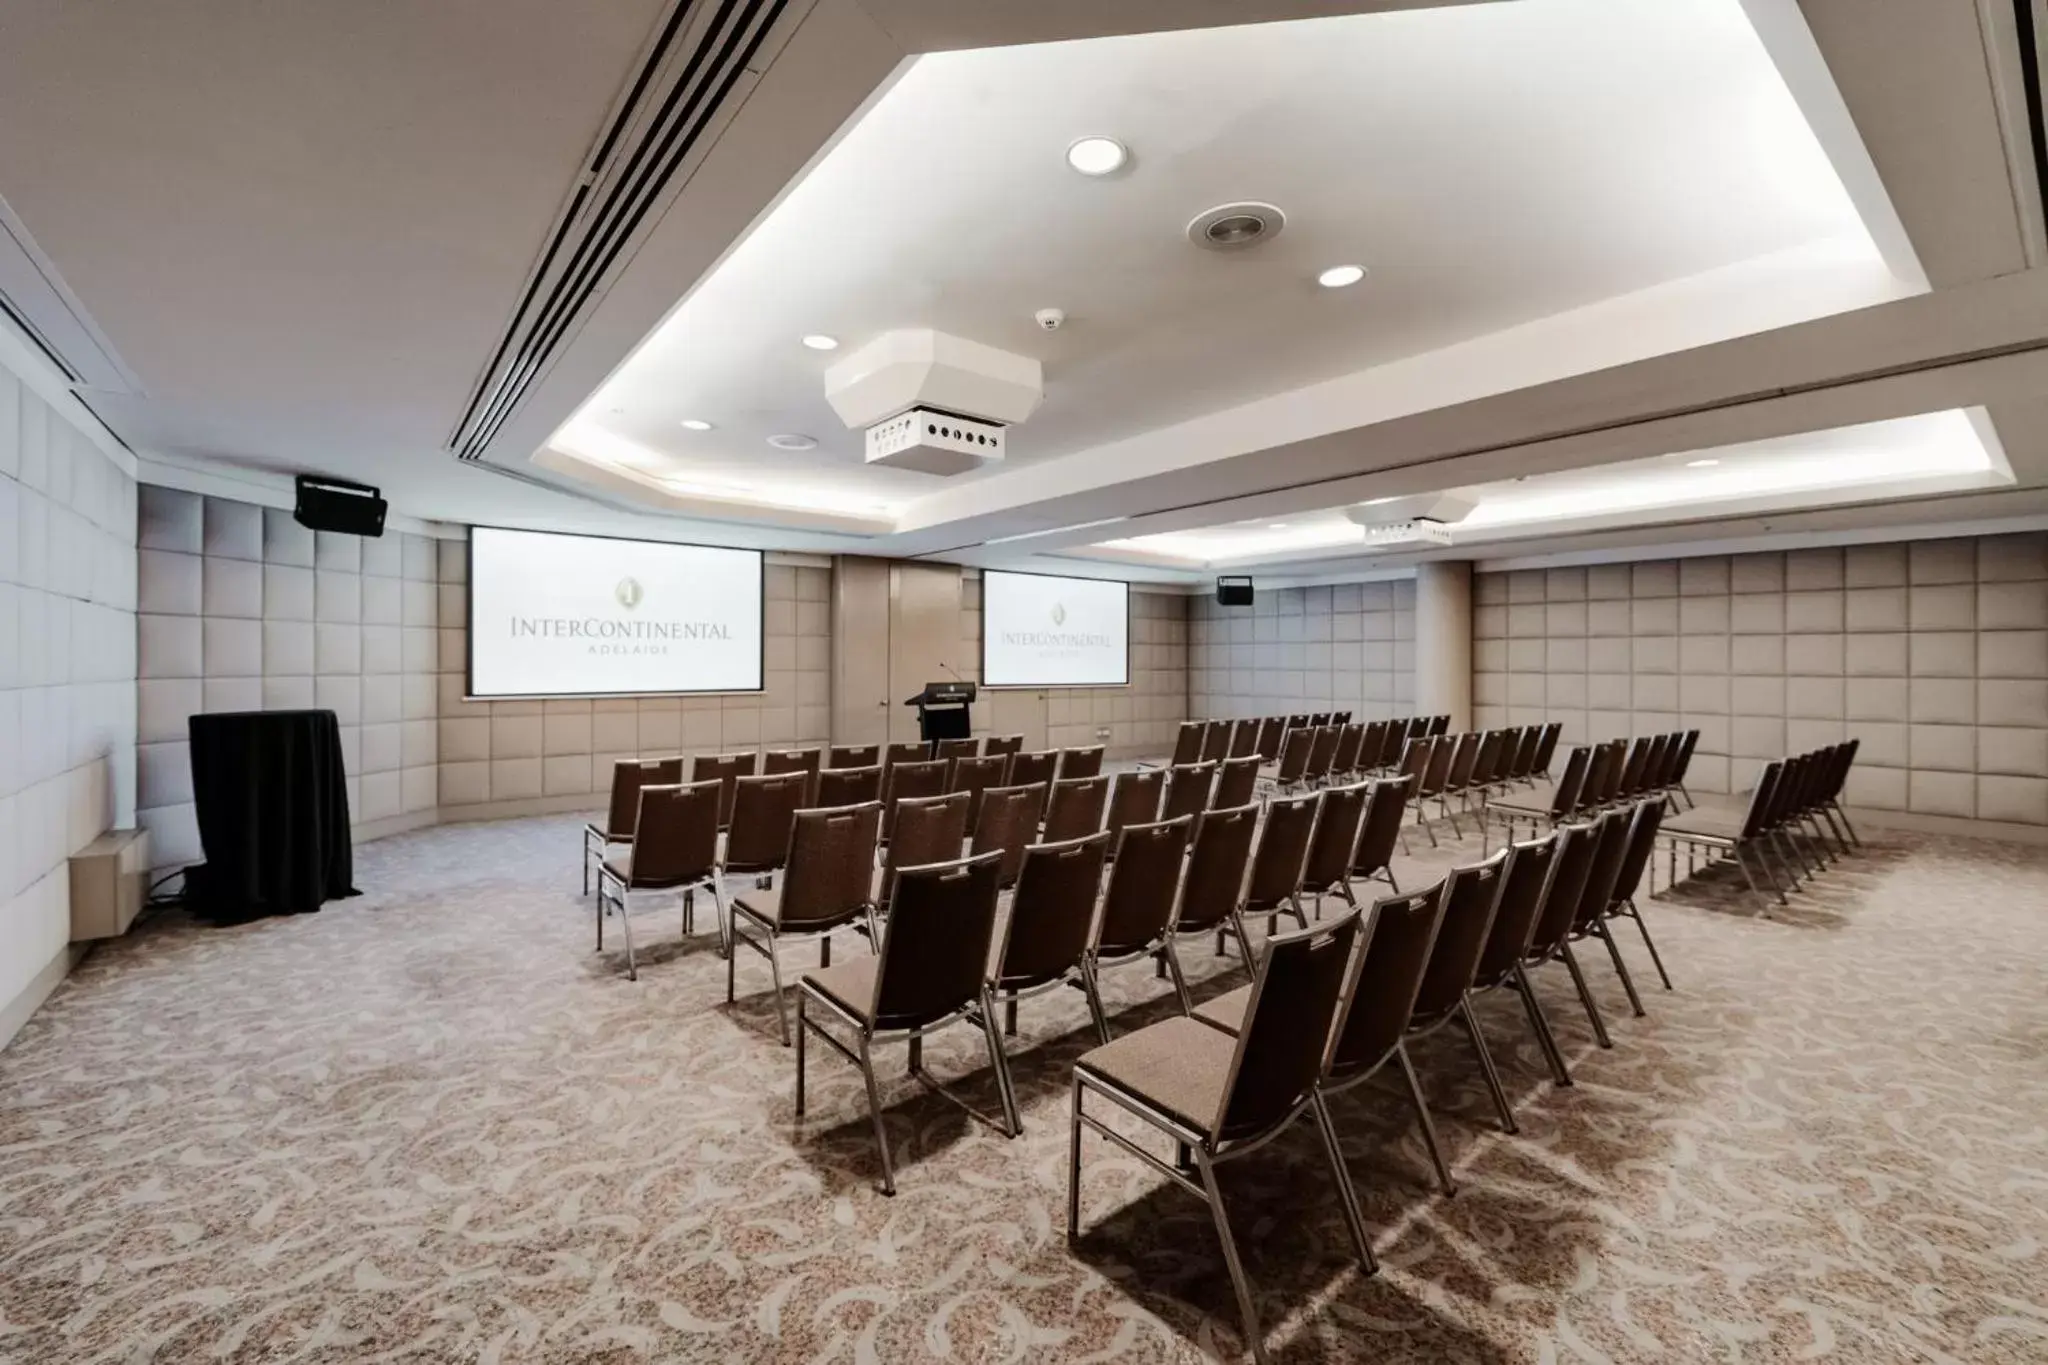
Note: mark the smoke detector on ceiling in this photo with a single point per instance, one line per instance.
(1234, 227)
(1412, 522)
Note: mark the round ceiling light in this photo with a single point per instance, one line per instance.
(696, 424)
(1277, 526)
(1097, 156)
(818, 341)
(1233, 227)
(1341, 276)
(1701, 464)
(790, 440)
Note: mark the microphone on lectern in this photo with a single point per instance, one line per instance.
(950, 669)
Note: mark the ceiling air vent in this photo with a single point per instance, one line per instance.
(705, 53)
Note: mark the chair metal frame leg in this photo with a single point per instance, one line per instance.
(1571, 963)
(1628, 982)
(1635, 912)
(1254, 1335)
(1559, 1072)
(1486, 1067)
(1093, 989)
(1854, 837)
(1429, 1138)
(867, 1068)
(1074, 1163)
(1347, 1194)
(1000, 1060)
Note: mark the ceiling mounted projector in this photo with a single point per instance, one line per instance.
(1423, 519)
(933, 402)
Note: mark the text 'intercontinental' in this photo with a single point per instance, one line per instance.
(613, 636)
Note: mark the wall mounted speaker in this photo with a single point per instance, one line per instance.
(354, 509)
(1234, 591)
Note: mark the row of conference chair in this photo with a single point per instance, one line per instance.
(1598, 776)
(1793, 822)
(1474, 765)
(1331, 1004)
(1214, 741)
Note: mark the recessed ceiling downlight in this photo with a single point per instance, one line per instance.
(790, 440)
(1341, 276)
(1233, 227)
(1701, 464)
(1097, 155)
(818, 341)
(695, 424)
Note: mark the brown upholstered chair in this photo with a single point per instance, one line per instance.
(1373, 859)
(848, 786)
(1371, 744)
(628, 777)
(1471, 894)
(854, 756)
(1589, 919)
(728, 769)
(677, 851)
(958, 748)
(1007, 819)
(930, 970)
(910, 781)
(1027, 769)
(762, 810)
(1322, 752)
(1553, 803)
(974, 776)
(1073, 810)
(1274, 887)
(1270, 729)
(828, 885)
(929, 829)
(1551, 938)
(1051, 914)
(1328, 865)
(1079, 763)
(1219, 1096)
(1350, 740)
(1187, 742)
(1526, 883)
(1187, 790)
(1237, 783)
(1244, 738)
(793, 761)
(1644, 819)
(1003, 744)
(914, 752)
(1134, 800)
(1215, 741)
(1292, 769)
(1137, 908)
(1212, 890)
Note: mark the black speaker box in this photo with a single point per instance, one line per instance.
(1233, 592)
(354, 509)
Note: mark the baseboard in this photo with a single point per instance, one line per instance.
(18, 1011)
(393, 824)
(513, 810)
(1914, 823)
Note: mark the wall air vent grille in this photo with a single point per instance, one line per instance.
(704, 57)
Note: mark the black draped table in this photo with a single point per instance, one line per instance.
(273, 814)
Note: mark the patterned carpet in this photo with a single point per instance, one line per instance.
(431, 1124)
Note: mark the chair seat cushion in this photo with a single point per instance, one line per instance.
(849, 984)
(1176, 1065)
(1535, 802)
(1226, 1011)
(620, 867)
(763, 903)
(1713, 824)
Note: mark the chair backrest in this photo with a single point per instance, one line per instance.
(1603, 772)
(848, 786)
(959, 748)
(1007, 819)
(1319, 719)
(1492, 765)
(1216, 741)
(1682, 762)
(1214, 886)
(1297, 722)
(727, 769)
(1521, 899)
(1336, 836)
(1074, 809)
(1187, 789)
(1270, 728)
(909, 781)
(1027, 768)
(912, 752)
(1244, 738)
(1437, 775)
(1439, 726)
(1187, 742)
(1522, 764)
(1845, 759)
(1458, 772)
(1608, 854)
(1294, 750)
(1298, 988)
(1632, 768)
(1350, 739)
(1282, 851)
(628, 777)
(1003, 744)
(831, 866)
(1381, 828)
(1398, 942)
(1370, 745)
(1340, 718)
(1470, 895)
(937, 943)
(1134, 800)
(1757, 819)
(762, 810)
(854, 756)
(679, 829)
(1079, 762)
(929, 829)
(1564, 797)
(1570, 866)
(1664, 753)
(1053, 909)
(976, 775)
(1546, 747)
(1642, 845)
(1138, 903)
(1237, 781)
(791, 761)
(1415, 761)
(1323, 750)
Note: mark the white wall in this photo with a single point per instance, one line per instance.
(67, 678)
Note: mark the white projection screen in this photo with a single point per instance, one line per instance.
(1038, 630)
(588, 616)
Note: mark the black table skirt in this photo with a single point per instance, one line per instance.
(273, 814)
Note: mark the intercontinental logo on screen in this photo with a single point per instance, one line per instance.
(1057, 640)
(620, 635)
